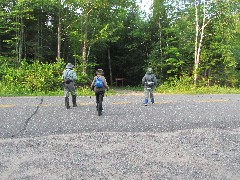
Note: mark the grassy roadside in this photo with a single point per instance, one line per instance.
(163, 89)
(83, 91)
(197, 90)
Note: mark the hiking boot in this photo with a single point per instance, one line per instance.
(146, 102)
(152, 101)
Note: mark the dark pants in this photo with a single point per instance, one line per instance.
(97, 95)
(69, 88)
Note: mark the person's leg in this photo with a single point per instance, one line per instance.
(73, 93)
(97, 99)
(74, 100)
(100, 100)
(102, 95)
(66, 95)
(152, 96)
(146, 93)
(67, 102)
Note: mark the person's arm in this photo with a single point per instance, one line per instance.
(143, 80)
(92, 84)
(105, 83)
(155, 80)
(63, 74)
(74, 75)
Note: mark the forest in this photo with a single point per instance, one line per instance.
(195, 42)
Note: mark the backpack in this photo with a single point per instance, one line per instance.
(98, 83)
(149, 81)
(67, 78)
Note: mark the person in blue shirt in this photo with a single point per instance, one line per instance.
(103, 88)
(69, 76)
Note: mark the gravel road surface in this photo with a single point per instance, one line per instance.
(178, 137)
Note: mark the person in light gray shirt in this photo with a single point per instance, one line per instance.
(68, 76)
(149, 81)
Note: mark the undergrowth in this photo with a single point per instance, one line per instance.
(85, 91)
(196, 90)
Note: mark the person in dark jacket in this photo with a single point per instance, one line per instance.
(149, 82)
(99, 90)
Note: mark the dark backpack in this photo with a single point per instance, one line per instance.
(149, 80)
(98, 83)
(67, 78)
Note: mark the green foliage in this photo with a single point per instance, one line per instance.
(185, 86)
(35, 77)
(182, 84)
(164, 89)
(165, 41)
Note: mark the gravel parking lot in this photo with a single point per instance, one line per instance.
(179, 137)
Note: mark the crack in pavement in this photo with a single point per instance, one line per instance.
(28, 119)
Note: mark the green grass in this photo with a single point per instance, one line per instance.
(10, 90)
(197, 90)
(81, 91)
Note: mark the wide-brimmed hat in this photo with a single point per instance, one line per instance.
(99, 72)
(69, 66)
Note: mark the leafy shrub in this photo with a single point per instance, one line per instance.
(37, 78)
(33, 77)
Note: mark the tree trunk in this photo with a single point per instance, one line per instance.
(110, 66)
(160, 44)
(84, 52)
(59, 34)
(84, 56)
(198, 45)
(19, 44)
(85, 46)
